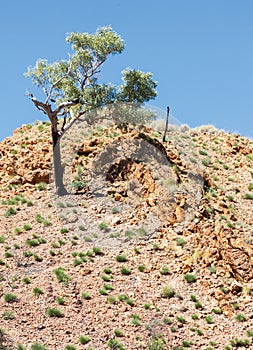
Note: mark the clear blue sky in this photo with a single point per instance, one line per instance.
(199, 51)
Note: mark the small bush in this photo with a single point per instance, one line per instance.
(32, 242)
(240, 318)
(136, 320)
(121, 258)
(180, 241)
(10, 211)
(8, 315)
(103, 226)
(41, 186)
(209, 320)
(193, 298)
(84, 339)
(167, 292)
(165, 271)
(60, 301)
(61, 275)
(97, 251)
(190, 278)
(10, 298)
(37, 346)
(198, 305)
(118, 333)
(248, 196)
(115, 344)
(86, 296)
(130, 301)
(37, 291)
(235, 343)
(125, 271)
(70, 347)
(141, 268)
(54, 312)
(181, 319)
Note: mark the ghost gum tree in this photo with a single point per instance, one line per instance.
(71, 87)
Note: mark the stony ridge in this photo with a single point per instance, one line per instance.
(215, 245)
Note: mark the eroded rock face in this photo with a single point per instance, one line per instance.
(26, 157)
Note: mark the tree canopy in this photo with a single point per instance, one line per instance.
(74, 82)
(71, 87)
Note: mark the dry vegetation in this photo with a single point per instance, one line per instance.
(187, 286)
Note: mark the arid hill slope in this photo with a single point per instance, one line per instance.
(105, 282)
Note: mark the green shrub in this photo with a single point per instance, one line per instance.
(41, 186)
(54, 312)
(32, 242)
(37, 291)
(103, 226)
(8, 315)
(37, 346)
(70, 347)
(180, 319)
(165, 271)
(141, 268)
(190, 278)
(10, 297)
(236, 343)
(193, 298)
(209, 319)
(136, 320)
(10, 211)
(125, 271)
(97, 251)
(241, 318)
(84, 339)
(61, 275)
(86, 296)
(118, 333)
(60, 301)
(248, 196)
(167, 292)
(115, 344)
(121, 258)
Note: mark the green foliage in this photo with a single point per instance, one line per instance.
(138, 87)
(10, 297)
(60, 300)
(248, 196)
(136, 320)
(54, 312)
(37, 291)
(8, 315)
(10, 211)
(121, 258)
(118, 333)
(190, 278)
(37, 346)
(115, 344)
(84, 339)
(61, 275)
(165, 271)
(86, 296)
(240, 318)
(167, 292)
(77, 78)
(70, 347)
(236, 343)
(125, 271)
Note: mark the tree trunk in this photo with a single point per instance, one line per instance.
(58, 170)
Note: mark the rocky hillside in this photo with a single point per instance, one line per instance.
(151, 249)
